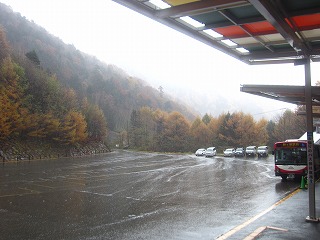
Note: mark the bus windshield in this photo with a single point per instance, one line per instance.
(296, 156)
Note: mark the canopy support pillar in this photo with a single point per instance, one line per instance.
(311, 180)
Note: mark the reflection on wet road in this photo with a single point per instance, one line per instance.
(130, 195)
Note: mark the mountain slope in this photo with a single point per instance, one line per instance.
(111, 88)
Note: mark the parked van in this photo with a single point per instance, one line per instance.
(263, 151)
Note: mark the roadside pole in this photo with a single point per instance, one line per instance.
(311, 182)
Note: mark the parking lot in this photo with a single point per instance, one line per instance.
(131, 195)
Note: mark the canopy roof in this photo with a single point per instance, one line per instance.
(285, 93)
(252, 31)
(316, 137)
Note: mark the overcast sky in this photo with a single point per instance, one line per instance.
(154, 52)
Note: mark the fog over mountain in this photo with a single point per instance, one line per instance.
(215, 100)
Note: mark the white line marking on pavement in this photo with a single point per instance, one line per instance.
(261, 229)
(251, 220)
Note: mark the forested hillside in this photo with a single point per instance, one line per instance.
(35, 107)
(107, 86)
(55, 97)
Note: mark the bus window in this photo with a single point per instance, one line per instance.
(291, 156)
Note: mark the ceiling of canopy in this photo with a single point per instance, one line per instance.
(252, 31)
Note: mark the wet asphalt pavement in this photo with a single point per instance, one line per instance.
(131, 195)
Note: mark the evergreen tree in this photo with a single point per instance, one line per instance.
(135, 129)
(33, 57)
(206, 119)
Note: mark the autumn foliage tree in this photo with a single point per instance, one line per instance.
(96, 123)
(74, 128)
(156, 130)
(44, 126)
(159, 131)
(289, 126)
(176, 133)
(200, 134)
(11, 93)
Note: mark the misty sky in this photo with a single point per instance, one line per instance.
(156, 53)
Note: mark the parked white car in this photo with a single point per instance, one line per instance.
(229, 152)
(251, 151)
(211, 152)
(200, 152)
(263, 151)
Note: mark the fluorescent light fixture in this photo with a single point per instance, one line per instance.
(242, 50)
(274, 95)
(229, 43)
(192, 22)
(212, 33)
(160, 4)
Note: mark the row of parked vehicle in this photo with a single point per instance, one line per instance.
(209, 152)
(250, 151)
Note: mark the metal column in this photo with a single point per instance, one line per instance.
(311, 182)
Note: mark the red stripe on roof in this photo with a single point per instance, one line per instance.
(231, 32)
(307, 22)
